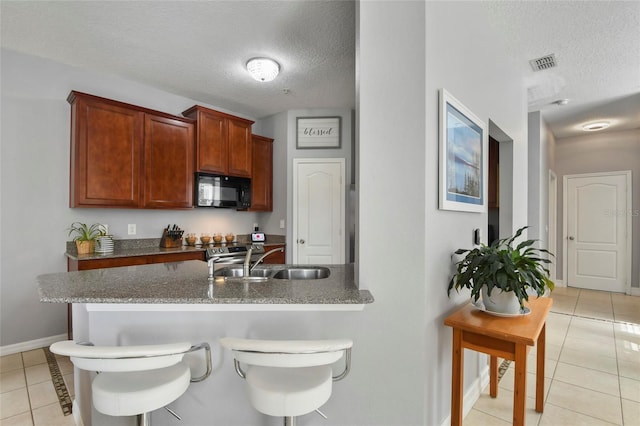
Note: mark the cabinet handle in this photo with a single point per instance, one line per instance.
(301, 241)
(571, 238)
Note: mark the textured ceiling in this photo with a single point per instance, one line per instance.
(597, 48)
(198, 49)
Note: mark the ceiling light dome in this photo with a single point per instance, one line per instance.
(263, 69)
(595, 126)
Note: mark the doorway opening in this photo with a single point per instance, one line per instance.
(500, 184)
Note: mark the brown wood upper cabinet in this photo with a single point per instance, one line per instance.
(127, 156)
(223, 142)
(262, 174)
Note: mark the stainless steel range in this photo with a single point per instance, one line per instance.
(234, 254)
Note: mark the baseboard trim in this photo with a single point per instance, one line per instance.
(635, 291)
(30, 345)
(559, 283)
(471, 395)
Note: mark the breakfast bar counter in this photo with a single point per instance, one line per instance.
(184, 286)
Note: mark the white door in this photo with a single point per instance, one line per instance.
(598, 228)
(318, 210)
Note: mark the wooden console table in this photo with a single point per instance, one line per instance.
(508, 338)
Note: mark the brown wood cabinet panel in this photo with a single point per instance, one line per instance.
(168, 163)
(106, 140)
(223, 142)
(277, 257)
(128, 156)
(114, 262)
(240, 148)
(262, 174)
(212, 152)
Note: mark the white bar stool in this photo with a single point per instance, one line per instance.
(289, 378)
(135, 380)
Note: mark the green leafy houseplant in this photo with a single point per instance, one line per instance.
(85, 236)
(503, 266)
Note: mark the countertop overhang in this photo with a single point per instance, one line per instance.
(185, 286)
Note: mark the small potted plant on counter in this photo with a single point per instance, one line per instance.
(503, 274)
(85, 236)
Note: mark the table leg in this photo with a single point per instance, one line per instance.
(520, 385)
(493, 376)
(540, 355)
(457, 376)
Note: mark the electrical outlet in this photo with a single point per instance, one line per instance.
(281, 223)
(131, 229)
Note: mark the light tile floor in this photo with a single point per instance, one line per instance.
(27, 395)
(592, 374)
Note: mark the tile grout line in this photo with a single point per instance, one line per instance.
(26, 386)
(58, 382)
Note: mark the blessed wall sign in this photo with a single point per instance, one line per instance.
(318, 132)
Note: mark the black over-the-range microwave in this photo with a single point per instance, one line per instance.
(222, 191)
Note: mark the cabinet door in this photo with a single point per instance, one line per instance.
(262, 174)
(212, 149)
(277, 257)
(239, 136)
(168, 163)
(106, 141)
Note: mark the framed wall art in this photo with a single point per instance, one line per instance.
(318, 132)
(463, 157)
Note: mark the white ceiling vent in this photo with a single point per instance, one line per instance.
(544, 63)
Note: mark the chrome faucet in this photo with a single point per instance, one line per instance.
(246, 269)
(211, 265)
(261, 258)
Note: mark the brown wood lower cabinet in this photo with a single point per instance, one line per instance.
(277, 257)
(115, 262)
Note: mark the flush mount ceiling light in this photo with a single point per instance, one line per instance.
(592, 127)
(263, 69)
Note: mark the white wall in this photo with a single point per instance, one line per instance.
(541, 152)
(35, 182)
(603, 152)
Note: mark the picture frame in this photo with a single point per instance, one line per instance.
(463, 158)
(318, 132)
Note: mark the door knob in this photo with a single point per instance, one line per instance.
(301, 241)
(571, 238)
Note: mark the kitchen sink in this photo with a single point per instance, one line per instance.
(263, 274)
(300, 273)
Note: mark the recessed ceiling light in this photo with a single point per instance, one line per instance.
(595, 126)
(263, 69)
(561, 102)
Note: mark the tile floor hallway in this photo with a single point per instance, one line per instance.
(592, 373)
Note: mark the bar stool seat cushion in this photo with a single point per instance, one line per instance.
(285, 392)
(132, 393)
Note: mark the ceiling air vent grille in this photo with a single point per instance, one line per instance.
(544, 63)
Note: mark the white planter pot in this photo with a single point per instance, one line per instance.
(503, 302)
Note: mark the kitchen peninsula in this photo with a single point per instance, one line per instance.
(184, 286)
(177, 301)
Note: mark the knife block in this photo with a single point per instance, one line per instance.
(170, 241)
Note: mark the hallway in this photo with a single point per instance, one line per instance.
(592, 372)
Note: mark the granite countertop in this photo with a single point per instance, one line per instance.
(187, 283)
(151, 246)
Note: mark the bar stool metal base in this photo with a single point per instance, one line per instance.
(289, 421)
